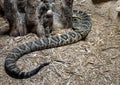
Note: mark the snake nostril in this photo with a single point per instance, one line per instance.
(75, 11)
(75, 20)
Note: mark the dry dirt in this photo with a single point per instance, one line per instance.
(95, 61)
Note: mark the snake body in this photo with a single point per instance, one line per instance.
(80, 31)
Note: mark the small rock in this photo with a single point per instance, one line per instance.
(118, 9)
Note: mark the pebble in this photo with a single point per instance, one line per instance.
(118, 9)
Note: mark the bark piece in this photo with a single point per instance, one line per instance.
(33, 16)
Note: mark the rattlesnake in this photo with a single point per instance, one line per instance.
(81, 28)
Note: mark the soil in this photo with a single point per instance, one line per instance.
(93, 61)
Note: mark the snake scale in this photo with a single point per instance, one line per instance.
(80, 31)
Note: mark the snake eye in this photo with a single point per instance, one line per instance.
(80, 12)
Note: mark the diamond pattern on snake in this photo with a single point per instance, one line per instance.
(81, 28)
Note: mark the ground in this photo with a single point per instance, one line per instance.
(93, 61)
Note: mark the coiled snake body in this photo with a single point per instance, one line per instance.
(80, 31)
